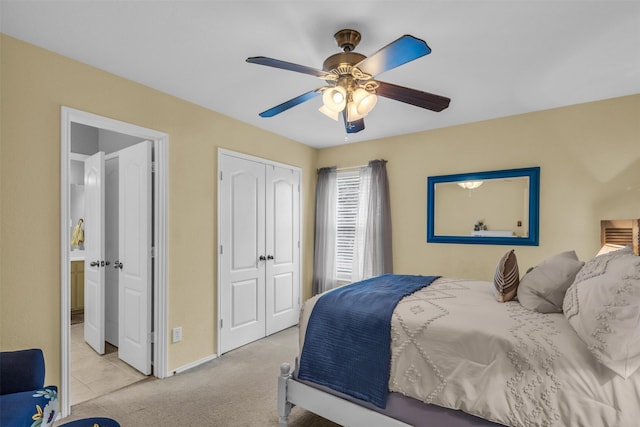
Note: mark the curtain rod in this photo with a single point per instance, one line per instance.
(351, 167)
(360, 166)
(356, 166)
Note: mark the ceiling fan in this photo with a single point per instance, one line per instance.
(351, 90)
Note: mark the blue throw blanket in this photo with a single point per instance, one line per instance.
(347, 344)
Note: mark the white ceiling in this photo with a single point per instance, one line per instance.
(492, 58)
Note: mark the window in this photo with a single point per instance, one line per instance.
(346, 223)
(353, 226)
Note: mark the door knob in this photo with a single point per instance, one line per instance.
(95, 264)
(117, 264)
(262, 258)
(269, 256)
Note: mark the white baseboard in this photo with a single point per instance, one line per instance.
(192, 365)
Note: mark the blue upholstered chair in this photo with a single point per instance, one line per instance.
(92, 422)
(24, 401)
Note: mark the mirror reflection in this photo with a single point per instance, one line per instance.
(493, 207)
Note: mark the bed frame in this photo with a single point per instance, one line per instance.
(295, 393)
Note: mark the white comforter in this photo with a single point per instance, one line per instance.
(453, 345)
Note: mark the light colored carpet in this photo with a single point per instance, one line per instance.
(237, 389)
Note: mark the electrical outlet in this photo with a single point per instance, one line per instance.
(176, 334)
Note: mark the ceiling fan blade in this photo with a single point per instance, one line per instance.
(405, 49)
(412, 96)
(352, 127)
(276, 63)
(290, 103)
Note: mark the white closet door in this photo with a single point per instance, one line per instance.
(94, 252)
(283, 252)
(134, 251)
(242, 237)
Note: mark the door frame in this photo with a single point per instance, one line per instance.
(160, 142)
(224, 151)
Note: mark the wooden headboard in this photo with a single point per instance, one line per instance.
(624, 232)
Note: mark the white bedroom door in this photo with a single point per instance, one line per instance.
(135, 256)
(111, 288)
(94, 264)
(242, 252)
(283, 251)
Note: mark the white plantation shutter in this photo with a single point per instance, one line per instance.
(347, 213)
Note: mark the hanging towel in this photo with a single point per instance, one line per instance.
(78, 234)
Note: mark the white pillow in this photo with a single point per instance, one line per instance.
(603, 307)
(543, 288)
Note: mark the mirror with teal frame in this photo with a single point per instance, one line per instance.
(488, 208)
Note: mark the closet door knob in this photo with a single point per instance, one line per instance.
(117, 264)
(262, 258)
(95, 264)
(269, 256)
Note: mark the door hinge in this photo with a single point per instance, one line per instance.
(220, 175)
(153, 252)
(298, 244)
(221, 323)
(221, 250)
(153, 167)
(152, 337)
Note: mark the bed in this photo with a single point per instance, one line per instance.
(566, 355)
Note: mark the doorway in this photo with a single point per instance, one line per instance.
(115, 137)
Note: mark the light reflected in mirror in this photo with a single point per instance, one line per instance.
(496, 207)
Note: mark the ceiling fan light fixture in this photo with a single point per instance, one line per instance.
(349, 75)
(329, 112)
(335, 98)
(364, 101)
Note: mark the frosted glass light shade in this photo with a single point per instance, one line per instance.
(609, 247)
(352, 112)
(335, 98)
(329, 112)
(364, 101)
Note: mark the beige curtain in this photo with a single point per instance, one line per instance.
(324, 254)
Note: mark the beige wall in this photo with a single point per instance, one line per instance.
(589, 158)
(34, 85)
